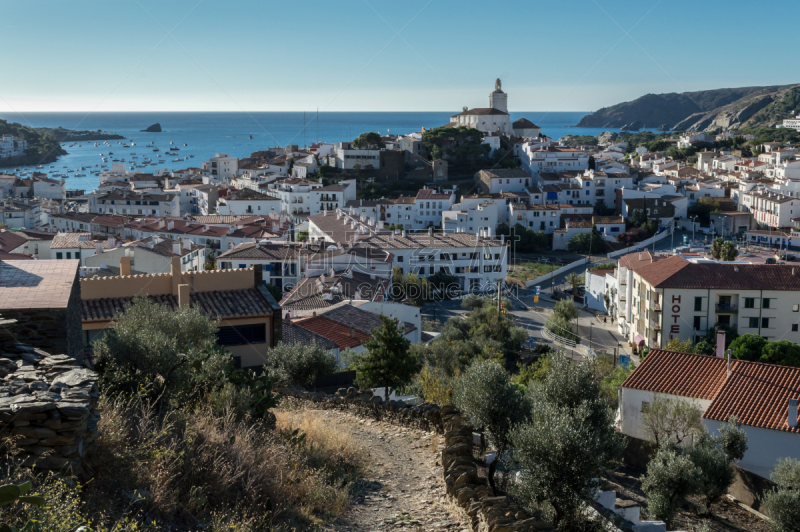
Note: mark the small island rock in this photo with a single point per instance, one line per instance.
(155, 128)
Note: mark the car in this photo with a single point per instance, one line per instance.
(770, 260)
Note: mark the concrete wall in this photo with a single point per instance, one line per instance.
(631, 409)
(764, 447)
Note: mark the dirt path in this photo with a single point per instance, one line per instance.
(405, 490)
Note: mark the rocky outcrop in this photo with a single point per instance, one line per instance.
(47, 404)
(155, 128)
(691, 111)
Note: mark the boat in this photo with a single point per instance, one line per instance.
(176, 160)
(171, 142)
(40, 167)
(51, 166)
(156, 149)
(125, 146)
(185, 144)
(251, 136)
(191, 156)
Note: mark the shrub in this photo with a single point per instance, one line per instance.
(486, 396)
(671, 420)
(568, 443)
(299, 364)
(387, 361)
(566, 309)
(783, 502)
(671, 477)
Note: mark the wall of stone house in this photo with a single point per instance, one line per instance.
(53, 330)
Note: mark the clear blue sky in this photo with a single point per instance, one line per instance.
(345, 55)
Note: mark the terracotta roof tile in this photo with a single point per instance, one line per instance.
(675, 373)
(333, 331)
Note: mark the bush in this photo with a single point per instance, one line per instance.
(488, 399)
(387, 361)
(671, 477)
(783, 502)
(299, 364)
(566, 309)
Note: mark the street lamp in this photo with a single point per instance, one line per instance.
(694, 221)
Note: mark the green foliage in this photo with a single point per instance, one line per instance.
(410, 286)
(387, 361)
(369, 141)
(42, 144)
(748, 347)
(561, 327)
(491, 403)
(575, 280)
(461, 146)
(722, 250)
(567, 444)
(325, 170)
(604, 266)
(443, 285)
(566, 309)
(576, 141)
(299, 364)
(682, 346)
(523, 239)
(591, 242)
(757, 349)
(613, 379)
(783, 502)
(535, 372)
(671, 477)
(704, 347)
(170, 358)
(302, 235)
(276, 292)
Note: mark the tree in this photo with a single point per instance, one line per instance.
(299, 363)
(781, 352)
(460, 145)
(704, 347)
(722, 250)
(561, 327)
(369, 141)
(567, 444)
(671, 420)
(575, 280)
(566, 309)
(592, 163)
(748, 347)
(637, 218)
(671, 477)
(302, 235)
(783, 501)
(387, 362)
(276, 292)
(716, 474)
(676, 344)
(491, 403)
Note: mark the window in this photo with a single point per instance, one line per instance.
(399, 258)
(749, 302)
(487, 268)
(794, 327)
(697, 322)
(754, 323)
(765, 303)
(59, 255)
(487, 256)
(698, 304)
(69, 254)
(765, 323)
(242, 334)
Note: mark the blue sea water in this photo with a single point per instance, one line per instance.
(206, 133)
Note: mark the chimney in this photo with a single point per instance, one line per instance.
(176, 248)
(183, 295)
(187, 244)
(124, 266)
(112, 243)
(353, 335)
(404, 233)
(175, 274)
(792, 418)
(98, 247)
(430, 231)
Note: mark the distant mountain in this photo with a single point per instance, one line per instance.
(701, 110)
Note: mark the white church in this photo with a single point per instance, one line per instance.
(495, 118)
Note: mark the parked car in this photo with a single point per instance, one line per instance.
(770, 260)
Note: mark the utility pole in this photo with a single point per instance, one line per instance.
(498, 296)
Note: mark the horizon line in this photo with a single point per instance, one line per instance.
(18, 112)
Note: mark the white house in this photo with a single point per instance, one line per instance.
(11, 146)
(248, 202)
(430, 205)
(221, 167)
(149, 255)
(44, 187)
(770, 209)
(762, 397)
(492, 119)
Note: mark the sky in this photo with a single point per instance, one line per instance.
(375, 55)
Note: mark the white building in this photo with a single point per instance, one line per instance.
(248, 202)
(137, 203)
(762, 397)
(792, 123)
(675, 298)
(44, 187)
(11, 146)
(221, 167)
(537, 217)
(492, 119)
(149, 255)
(67, 246)
(472, 216)
(536, 158)
(770, 209)
(429, 207)
(503, 180)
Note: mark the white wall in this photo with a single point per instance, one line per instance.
(631, 411)
(764, 447)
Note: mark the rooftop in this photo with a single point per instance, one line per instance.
(37, 284)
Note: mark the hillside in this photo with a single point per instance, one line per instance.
(42, 147)
(701, 110)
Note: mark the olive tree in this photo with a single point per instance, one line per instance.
(492, 403)
(299, 364)
(567, 443)
(783, 502)
(671, 477)
(672, 420)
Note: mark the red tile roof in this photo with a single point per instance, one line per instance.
(336, 332)
(674, 373)
(633, 261)
(677, 272)
(758, 395)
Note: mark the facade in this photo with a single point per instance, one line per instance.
(11, 146)
(137, 203)
(429, 207)
(503, 180)
(221, 167)
(770, 209)
(44, 187)
(792, 123)
(492, 119)
(675, 298)
(248, 202)
(538, 157)
(149, 255)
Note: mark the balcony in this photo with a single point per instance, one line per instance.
(656, 327)
(623, 282)
(725, 307)
(623, 297)
(655, 308)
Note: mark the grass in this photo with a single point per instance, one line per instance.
(527, 271)
(192, 471)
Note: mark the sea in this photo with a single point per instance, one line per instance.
(199, 135)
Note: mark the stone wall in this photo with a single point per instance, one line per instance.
(47, 403)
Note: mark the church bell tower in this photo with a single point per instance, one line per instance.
(498, 99)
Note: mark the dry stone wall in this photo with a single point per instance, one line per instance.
(47, 403)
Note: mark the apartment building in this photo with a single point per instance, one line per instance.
(503, 180)
(20, 213)
(770, 209)
(11, 146)
(148, 255)
(429, 206)
(676, 298)
(136, 203)
(536, 158)
(473, 216)
(221, 167)
(247, 202)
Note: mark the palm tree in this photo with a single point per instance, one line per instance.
(575, 280)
